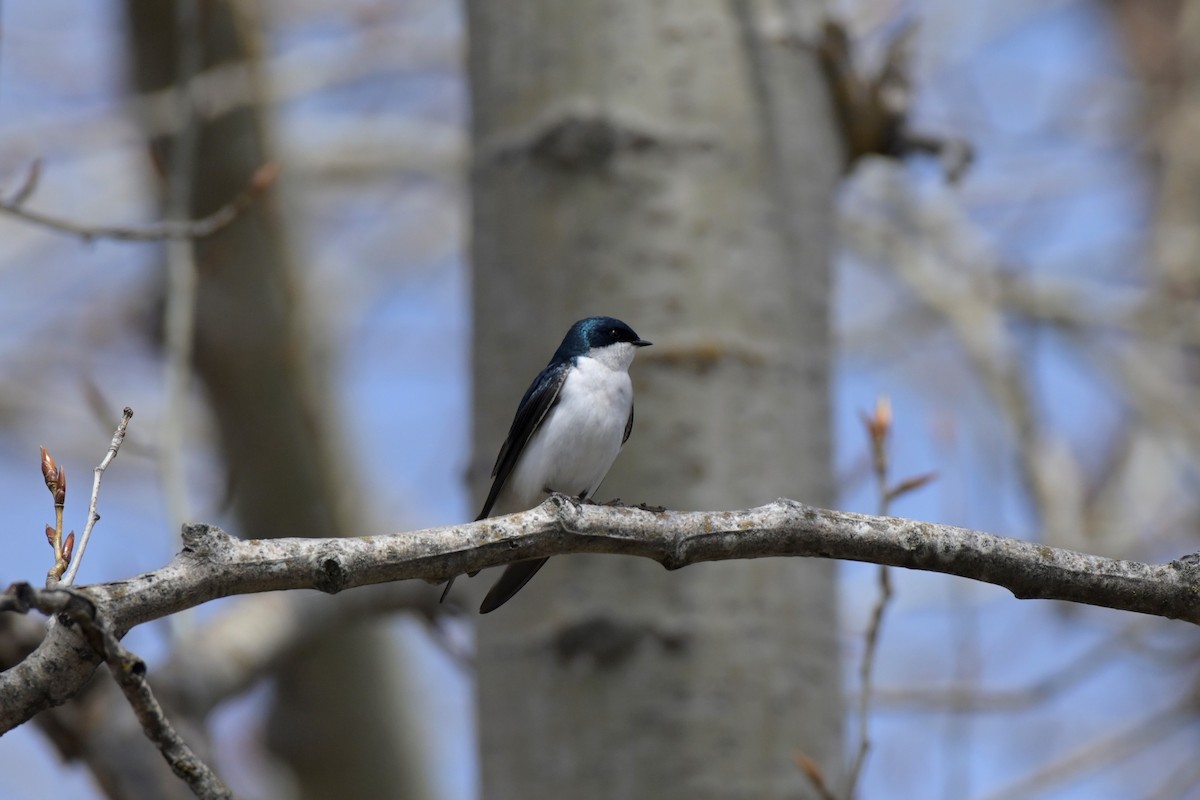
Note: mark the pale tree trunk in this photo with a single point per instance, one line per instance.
(1162, 48)
(338, 718)
(671, 164)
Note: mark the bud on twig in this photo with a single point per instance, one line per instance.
(264, 176)
(50, 535)
(55, 478)
(812, 771)
(49, 470)
(879, 424)
(68, 548)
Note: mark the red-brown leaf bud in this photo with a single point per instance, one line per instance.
(60, 487)
(880, 422)
(49, 470)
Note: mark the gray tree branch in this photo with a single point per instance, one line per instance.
(214, 564)
(127, 669)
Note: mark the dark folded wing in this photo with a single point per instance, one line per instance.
(540, 397)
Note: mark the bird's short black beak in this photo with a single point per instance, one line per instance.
(641, 343)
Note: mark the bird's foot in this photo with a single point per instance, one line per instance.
(577, 501)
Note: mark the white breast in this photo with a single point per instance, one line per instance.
(580, 438)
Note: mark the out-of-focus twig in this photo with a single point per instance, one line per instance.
(879, 427)
(249, 640)
(972, 699)
(32, 175)
(1104, 752)
(179, 322)
(171, 229)
(816, 777)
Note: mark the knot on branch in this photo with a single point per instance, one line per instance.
(19, 597)
(580, 138)
(1189, 567)
(206, 541)
(577, 142)
(330, 574)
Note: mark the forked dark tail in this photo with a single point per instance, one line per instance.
(509, 583)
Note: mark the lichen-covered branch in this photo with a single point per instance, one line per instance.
(214, 564)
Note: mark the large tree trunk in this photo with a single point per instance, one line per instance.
(672, 164)
(338, 717)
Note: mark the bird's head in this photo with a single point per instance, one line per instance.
(603, 338)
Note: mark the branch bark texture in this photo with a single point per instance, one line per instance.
(214, 564)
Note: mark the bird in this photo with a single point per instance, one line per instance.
(569, 427)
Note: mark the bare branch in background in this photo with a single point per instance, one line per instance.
(28, 185)
(180, 314)
(960, 698)
(246, 642)
(262, 179)
(1104, 752)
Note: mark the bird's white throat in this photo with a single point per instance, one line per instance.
(617, 356)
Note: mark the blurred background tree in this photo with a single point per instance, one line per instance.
(672, 165)
(1034, 325)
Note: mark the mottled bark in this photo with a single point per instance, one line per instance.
(671, 164)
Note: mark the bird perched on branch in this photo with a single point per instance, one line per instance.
(568, 430)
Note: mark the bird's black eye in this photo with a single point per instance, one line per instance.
(614, 333)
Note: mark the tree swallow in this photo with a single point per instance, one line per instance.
(569, 427)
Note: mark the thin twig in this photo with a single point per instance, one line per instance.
(1179, 782)
(32, 175)
(966, 699)
(98, 473)
(262, 179)
(129, 671)
(1105, 752)
(812, 771)
(878, 429)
